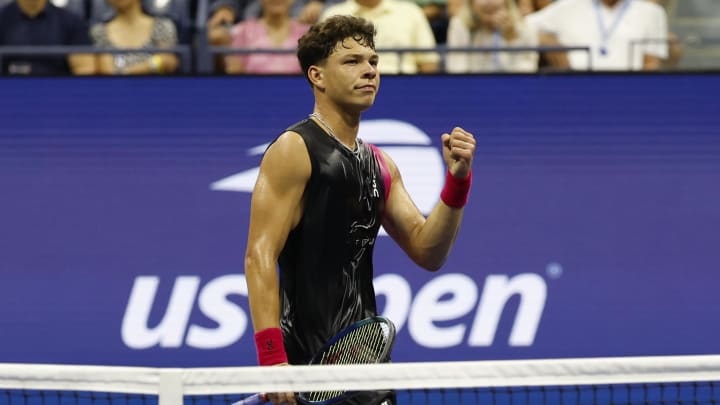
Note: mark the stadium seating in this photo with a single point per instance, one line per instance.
(697, 25)
(182, 12)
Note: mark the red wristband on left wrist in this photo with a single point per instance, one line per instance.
(270, 347)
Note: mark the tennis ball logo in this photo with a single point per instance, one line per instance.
(420, 163)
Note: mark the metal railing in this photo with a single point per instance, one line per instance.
(200, 59)
(443, 50)
(203, 57)
(184, 52)
(710, 48)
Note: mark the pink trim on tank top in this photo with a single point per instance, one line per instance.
(387, 179)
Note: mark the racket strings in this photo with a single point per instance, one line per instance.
(366, 344)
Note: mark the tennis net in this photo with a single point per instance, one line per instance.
(612, 381)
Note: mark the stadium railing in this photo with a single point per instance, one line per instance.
(698, 53)
(200, 59)
(184, 52)
(442, 50)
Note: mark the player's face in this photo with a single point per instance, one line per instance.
(351, 75)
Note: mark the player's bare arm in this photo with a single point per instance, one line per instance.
(427, 241)
(275, 210)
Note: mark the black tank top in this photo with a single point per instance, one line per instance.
(326, 269)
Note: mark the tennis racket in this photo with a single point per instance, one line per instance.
(364, 342)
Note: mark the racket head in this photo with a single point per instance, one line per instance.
(364, 342)
(367, 341)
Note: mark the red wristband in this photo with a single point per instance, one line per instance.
(270, 347)
(455, 193)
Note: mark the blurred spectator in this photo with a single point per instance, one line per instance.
(274, 30)
(621, 34)
(436, 14)
(527, 9)
(530, 6)
(133, 28)
(399, 24)
(38, 22)
(675, 48)
(312, 10)
(453, 7)
(225, 13)
(306, 11)
(490, 24)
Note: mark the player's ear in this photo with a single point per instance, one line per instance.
(315, 74)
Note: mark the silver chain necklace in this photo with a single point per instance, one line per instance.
(330, 131)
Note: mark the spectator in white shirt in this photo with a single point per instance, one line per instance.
(490, 24)
(621, 34)
(530, 6)
(399, 24)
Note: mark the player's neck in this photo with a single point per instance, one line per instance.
(343, 126)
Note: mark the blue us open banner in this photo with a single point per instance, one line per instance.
(593, 227)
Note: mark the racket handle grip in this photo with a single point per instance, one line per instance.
(257, 399)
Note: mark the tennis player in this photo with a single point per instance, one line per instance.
(322, 195)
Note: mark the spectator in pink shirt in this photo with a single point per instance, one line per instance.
(274, 30)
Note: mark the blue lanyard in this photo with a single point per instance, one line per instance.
(605, 34)
(496, 54)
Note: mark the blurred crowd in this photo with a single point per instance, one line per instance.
(259, 36)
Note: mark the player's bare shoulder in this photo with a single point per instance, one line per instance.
(389, 163)
(287, 157)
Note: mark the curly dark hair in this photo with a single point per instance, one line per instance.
(322, 38)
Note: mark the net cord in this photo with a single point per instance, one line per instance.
(172, 383)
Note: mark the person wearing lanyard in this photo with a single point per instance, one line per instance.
(496, 24)
(606, 30)
(619, 34)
